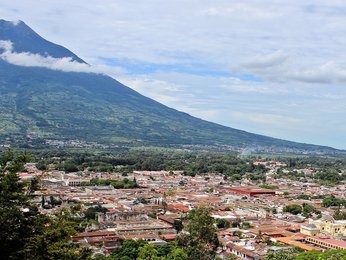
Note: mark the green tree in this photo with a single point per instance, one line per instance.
(177, 254)
(167, 248)
(331, 200)
(11, 191)
(164, 206)
(34, 185)
(15, 226)
(52, 239)
(230, 256)
(312, 255)
(129, 248)
(90, 213)
(6, 156)
(178, 225)
(245, 225)
(147, 252)
(339, 214)
(200, 241)
(26, 234)
(293, 209)
(222, 223)
(309, 209)
(327, 255)
(260, 235)
(14, 231)
(23, 157)
(280, 255)
(41, 166)
(333, 255)
(70, 167)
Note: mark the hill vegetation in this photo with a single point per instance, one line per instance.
(39, 104)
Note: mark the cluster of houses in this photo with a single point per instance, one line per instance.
(257, 221)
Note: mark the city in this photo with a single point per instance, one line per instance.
(251, 217)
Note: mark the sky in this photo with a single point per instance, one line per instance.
(276, 68)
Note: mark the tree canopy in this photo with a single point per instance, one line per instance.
(200, 240)
(25, 233)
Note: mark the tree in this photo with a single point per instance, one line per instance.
(129, 248)
(6, 156)
(23, 157)
(11, 191)
(15, 227)
(41, 166)
(165, 249)
(329, 175)
(331, 200)
(178, 225)
(339, 214)
(148, 252)
(70, 167)
(43, 201)
(333, 255)
(230, 256)
(293, 209)
(260, 235)
(309, 209)
(312, 255)
(177, 254)
(236, 223)
(328, 255)
(280, 255)
(14, 231)
(34, 185)
(200, 241)
(26, 234)
(245, 225)
(51, 239)
(164, 205)
(222, 223)
(90, 213)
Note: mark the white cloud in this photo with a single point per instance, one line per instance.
(278, 66)
(325, 74)
(269, 120)
(264, 61)
(159, 90)
(66, 64)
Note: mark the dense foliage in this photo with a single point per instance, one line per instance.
(118, 184)
(128, 160)
(312, 255)
(331, 200)
(293, 209)
(90, 213)
(142, 250)
(200, 241)
(25, 233)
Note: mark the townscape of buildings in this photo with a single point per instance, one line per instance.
(151, 212)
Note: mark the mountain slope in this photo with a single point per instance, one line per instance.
(50, 104)
(24, 39)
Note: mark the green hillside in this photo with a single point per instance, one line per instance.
(38, 104)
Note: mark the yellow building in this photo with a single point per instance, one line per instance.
(309, 229)
(326, 243)
(328, 225)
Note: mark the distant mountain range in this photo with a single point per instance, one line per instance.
(39, 105)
